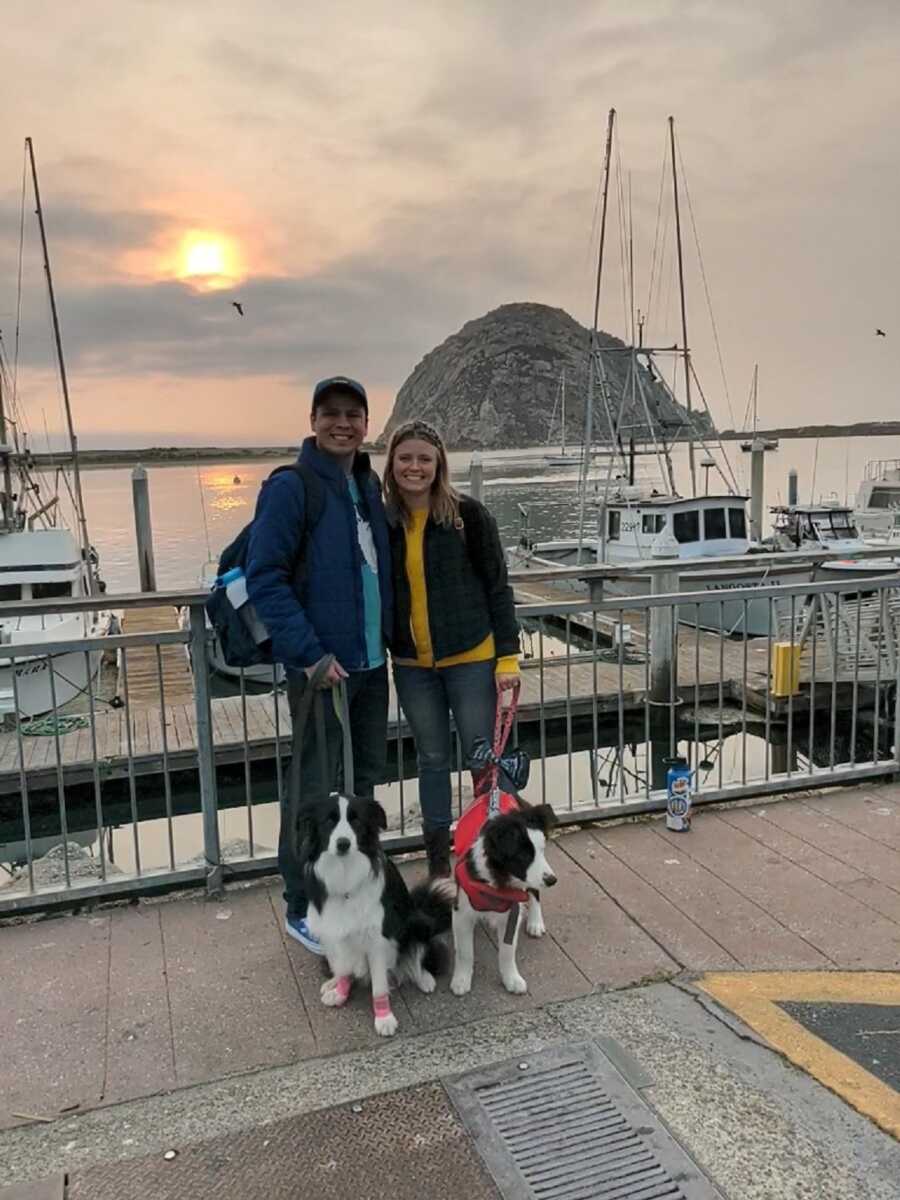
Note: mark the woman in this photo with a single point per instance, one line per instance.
(456, 638)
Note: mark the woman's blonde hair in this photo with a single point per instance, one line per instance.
(444, 497)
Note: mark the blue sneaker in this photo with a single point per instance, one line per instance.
(297, 928)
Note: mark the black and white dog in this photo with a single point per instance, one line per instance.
(370, 925)
(503, 869)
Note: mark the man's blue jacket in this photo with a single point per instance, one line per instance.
(329, 618)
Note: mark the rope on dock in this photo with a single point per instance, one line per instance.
(48, 726)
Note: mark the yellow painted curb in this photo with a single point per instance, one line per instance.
(754, 997)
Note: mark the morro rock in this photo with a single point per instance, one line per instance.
(494, 384)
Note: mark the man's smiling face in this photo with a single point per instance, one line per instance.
(339, 422)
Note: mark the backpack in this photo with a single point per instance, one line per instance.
(242, 637)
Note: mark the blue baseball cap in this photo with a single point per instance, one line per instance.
(339, 383)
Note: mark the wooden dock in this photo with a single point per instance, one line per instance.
(145, 663)
(565, 688)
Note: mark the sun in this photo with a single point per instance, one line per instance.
(205, 258)
(208, 260)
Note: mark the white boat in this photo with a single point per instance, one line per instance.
(635, 528)
(828, 526)
(41, 560)
(46, 564)
(877, 506)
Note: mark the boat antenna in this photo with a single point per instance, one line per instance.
(73, 441)
(589, 413)
(684, 334)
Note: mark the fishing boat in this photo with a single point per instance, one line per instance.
(829, 526)
(876, 513)
(650, 520)
(40, 558)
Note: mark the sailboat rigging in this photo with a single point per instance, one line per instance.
(640, 520)
(39, 557)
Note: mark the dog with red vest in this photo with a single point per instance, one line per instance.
(500, 845)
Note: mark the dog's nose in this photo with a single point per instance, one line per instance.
(342, 845)
(549, 880)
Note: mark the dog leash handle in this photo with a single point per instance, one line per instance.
(503, 723)
(342, 708)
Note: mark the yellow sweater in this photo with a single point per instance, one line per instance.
(415, 573)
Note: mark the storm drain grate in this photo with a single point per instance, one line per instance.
(565, 1125)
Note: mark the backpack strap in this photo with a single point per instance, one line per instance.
(314, 506)
(314, 491)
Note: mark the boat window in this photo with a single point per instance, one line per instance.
(653, 522)
(714, 524)
(10, 591)
(737, 522)
(843, 526)
(50, 591)
(686, 526)
(882, 498)
(614, 525)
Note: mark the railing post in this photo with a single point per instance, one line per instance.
(662, 646)
(206, 751)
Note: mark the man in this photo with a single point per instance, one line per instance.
(342, 606)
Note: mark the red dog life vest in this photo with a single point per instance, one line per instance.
(483, 897)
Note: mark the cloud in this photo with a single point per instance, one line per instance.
(390, 179)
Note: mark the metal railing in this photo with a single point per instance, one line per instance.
(131, 788)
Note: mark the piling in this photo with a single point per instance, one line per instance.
(143, 529)
(476, 477)
(793, 491)
(757, 448)
(662, 639)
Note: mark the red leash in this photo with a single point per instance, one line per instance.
(489, 800)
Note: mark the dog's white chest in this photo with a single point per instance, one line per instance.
(356, 917)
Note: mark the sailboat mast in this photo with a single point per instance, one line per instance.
(755, 395)
(7, 507)
(79, 498)
(589, 414)
(563, 446)
(684, 335)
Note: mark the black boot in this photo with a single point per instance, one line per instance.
(437, 847)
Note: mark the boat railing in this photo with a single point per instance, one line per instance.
(182, 785)
(878, 468)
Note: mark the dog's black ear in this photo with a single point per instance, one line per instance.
(541, 817)
(377, 814)
(502, 840)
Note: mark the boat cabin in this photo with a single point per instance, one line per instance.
(673, 527)
(39, 564)
(814, 527)
(880, 487)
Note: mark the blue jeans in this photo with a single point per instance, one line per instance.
(428, 697)
(367, 698)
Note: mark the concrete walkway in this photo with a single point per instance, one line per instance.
(139, 1002)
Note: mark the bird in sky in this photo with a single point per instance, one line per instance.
(880, 333)
(239, 307)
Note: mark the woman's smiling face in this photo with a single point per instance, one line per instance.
(415, 467)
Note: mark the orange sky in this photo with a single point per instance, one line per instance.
(376, 182)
